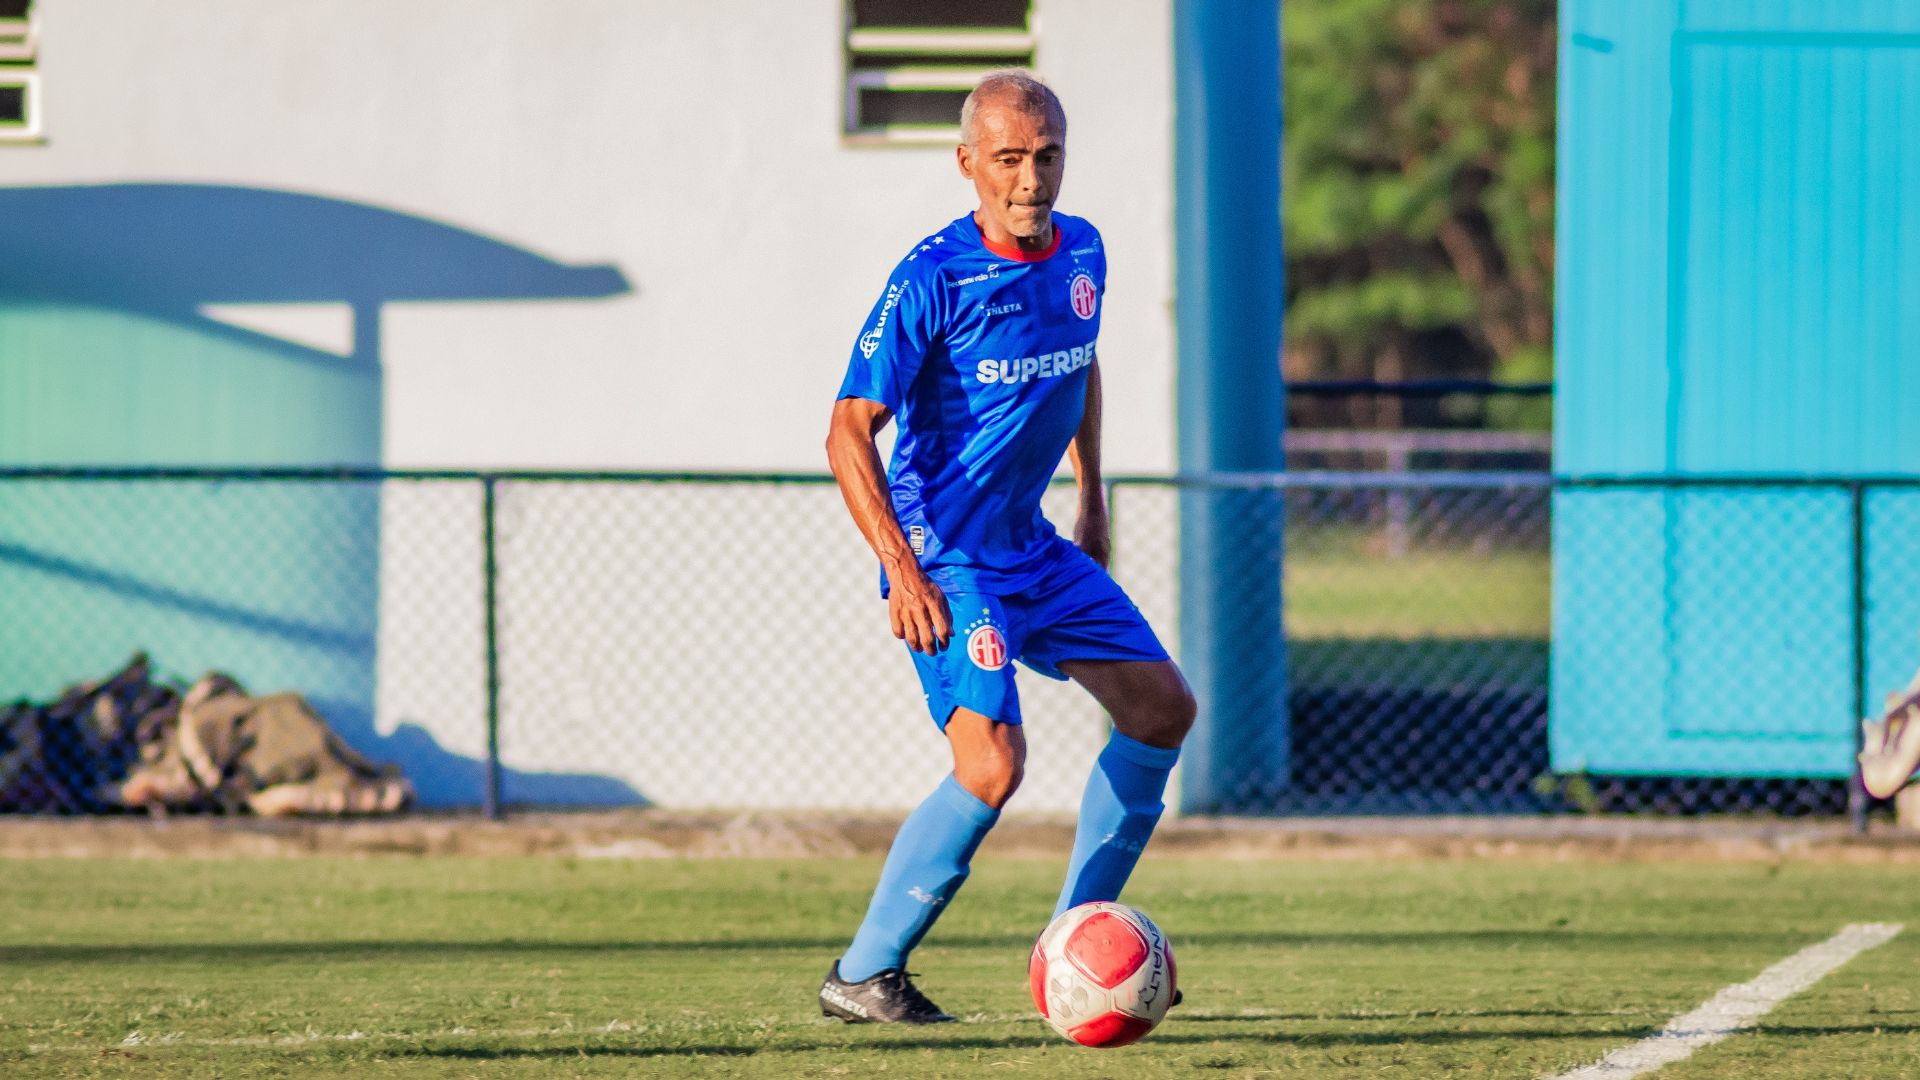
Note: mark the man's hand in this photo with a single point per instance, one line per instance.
(1093, 534)
(918, 609)
(915, 605)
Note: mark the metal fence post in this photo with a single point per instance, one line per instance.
(1856, 790)
(490, 574)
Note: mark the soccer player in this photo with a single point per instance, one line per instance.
(982, 352)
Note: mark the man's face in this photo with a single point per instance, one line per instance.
(1016, 163)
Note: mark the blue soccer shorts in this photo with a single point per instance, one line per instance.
(1075, 612)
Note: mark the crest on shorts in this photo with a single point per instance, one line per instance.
(1083, 294)
(987, 648)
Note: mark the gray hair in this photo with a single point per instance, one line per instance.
(1021, 88)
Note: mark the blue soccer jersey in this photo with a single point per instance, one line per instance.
(982, 356)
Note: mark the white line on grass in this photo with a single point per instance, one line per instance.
(1737, 1007)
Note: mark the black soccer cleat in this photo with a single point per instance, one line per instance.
(888, 998)
(1178, 997)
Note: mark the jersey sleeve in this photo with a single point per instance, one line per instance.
(1100, 261)
(899, 333)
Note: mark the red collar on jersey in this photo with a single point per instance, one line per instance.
(1022, 256)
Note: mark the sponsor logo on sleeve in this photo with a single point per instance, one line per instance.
(870, 340)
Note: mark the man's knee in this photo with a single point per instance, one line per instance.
(990, 777)
(989, 758)
(1162, 715)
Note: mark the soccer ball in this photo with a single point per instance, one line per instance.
(1102, 975)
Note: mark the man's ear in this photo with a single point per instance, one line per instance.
(963, 157)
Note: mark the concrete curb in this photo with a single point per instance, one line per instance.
(650, 834)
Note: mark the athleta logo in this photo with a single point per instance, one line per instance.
(870, 340)
(1044, 366)
(987, 648)
(1083, 294)
(843, 1000)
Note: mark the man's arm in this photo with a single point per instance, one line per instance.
(1092, 531)
(915, 605)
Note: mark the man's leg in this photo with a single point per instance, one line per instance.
(931, 854)
(1152, 709)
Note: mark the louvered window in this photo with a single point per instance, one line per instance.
(910, 63)
(19, 80)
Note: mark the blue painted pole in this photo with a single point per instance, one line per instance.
(1228, 300)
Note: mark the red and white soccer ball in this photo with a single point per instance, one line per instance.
(1102, 975)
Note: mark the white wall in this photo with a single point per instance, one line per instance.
(695, 146)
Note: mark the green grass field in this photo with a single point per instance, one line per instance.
(551, 967)
(1345, 591)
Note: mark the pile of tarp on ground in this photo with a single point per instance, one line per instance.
(131, 742)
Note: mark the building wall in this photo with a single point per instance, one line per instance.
(695, 148)
(599, 234)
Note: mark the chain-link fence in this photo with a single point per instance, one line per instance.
(718, 641)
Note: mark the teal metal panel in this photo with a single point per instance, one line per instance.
(105, 359)
(1893, 592)
(1607, 691)
(275, 584)
(85, 384)
(1739, 293)
(1610, 326)
(1797, 253)
(272, 583)
(1702, 633)
(1758, 582)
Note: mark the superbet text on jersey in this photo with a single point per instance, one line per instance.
(982, 353)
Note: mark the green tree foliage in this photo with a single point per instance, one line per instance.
(1419, 190)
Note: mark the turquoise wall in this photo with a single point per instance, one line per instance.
(275, 583)
(1739, 238)
(87, 384)
(107, 360)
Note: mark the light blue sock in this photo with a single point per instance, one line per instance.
(1117, 816)
(924, 869)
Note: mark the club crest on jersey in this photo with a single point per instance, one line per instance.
(1083, 294)
(987, 648)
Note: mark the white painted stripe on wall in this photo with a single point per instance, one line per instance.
(1737, 1007)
